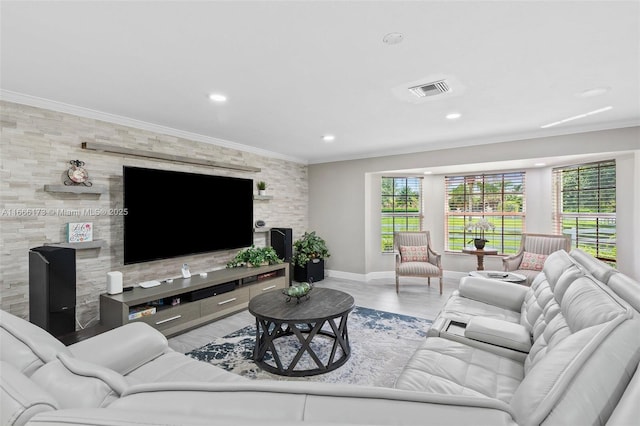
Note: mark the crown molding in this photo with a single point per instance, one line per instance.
(34, 101)
(484, 140)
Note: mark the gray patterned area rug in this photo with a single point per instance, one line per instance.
(381, 344)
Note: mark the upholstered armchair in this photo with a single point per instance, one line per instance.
(534, 249)
(415, 257)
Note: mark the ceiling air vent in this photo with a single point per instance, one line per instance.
(430, 89)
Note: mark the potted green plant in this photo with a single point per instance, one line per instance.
(254, 257)
(309, 252)
(262, 187)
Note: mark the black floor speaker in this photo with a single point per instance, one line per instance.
(52, 289)
(282, 242)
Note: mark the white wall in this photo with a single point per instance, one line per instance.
(344, 206)
(635, 233)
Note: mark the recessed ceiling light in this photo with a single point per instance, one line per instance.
(393, 38)
(428, 172)
(596, 91)
(217, 97)
(540, 164)
(575, 117)
(453, 116)
(328, 138)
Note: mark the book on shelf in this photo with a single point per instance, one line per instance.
(141, 311)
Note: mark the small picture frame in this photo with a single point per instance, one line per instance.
(79, 232)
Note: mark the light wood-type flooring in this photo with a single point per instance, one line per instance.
(415, 298)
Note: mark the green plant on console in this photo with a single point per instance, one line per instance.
(254, 257)
(309, 247)
(261, 185)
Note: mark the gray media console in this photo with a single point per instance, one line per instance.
(183, 304)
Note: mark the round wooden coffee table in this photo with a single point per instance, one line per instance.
(276, 318)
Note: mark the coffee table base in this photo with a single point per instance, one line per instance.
(267, 331)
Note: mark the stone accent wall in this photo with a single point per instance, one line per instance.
(36, 146)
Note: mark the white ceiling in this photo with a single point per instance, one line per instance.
(296, 70)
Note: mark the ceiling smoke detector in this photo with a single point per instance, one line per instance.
(430, 89)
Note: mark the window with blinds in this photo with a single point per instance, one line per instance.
(585, 207)
(401, 208)
(499, 198)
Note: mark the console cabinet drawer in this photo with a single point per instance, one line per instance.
(172, 317)
(270, 285)
(224, 301)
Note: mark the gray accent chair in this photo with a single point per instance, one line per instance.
(535, 243)
(431, 268)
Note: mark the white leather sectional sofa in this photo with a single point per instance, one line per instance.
(562, 352)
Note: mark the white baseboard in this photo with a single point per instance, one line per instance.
(345, 275)
(382, 275)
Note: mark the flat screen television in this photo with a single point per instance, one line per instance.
(171, 214)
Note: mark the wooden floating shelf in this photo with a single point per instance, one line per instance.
(95, 244)
(95, 146)
(76, 189)
(263, 197)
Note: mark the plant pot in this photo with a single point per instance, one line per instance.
(262, 192)
(312, 272)
(479, 243)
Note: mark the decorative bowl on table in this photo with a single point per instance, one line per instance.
(298, 291)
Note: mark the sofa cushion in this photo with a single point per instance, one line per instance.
(585, 303)
(547, 291)
(174, 366)
(418, 269)
(443, 366)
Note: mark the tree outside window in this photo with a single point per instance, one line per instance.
(498, 198)
(401, 208)
(585, 207)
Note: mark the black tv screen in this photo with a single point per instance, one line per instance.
(171, 214)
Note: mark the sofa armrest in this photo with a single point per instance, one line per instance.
(499, 333)
(123, 349)
(494, 292)
(77, 383)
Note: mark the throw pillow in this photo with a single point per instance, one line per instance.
(532, 261)
(414, 253)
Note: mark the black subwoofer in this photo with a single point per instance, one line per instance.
(282, 242)
(52, 289)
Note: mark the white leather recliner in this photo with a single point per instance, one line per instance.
(567, 357)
